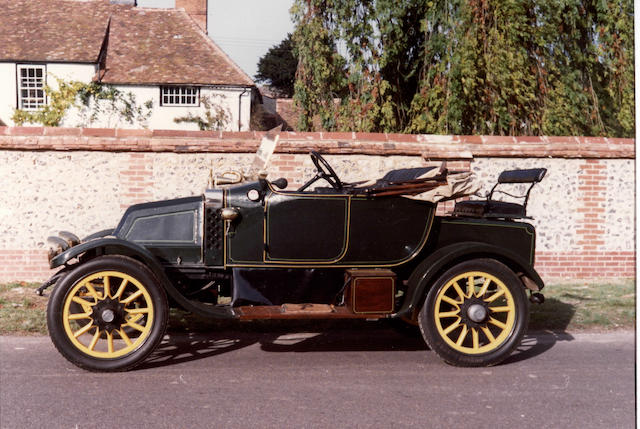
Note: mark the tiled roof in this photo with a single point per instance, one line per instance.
(53, 30)
(165, 46)
(144, 46)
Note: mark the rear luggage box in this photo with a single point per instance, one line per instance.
(370, 291)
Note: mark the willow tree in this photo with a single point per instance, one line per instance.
(481, 72)
(466, 67)
(320, 74)
(589, 52)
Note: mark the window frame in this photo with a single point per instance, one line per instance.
(20, 88)
(178, 94)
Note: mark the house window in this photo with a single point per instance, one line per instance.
(31, 83)
(180, 95)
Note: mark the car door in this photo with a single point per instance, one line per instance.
(306, 229)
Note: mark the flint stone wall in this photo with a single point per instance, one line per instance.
(82, 180)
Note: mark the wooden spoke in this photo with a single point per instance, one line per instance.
(451, 301)
(495, 296)
(95, 339)
(86, 306)
(488, 334)
(82, 330)
(484, 288)
(500, 309)
(78, 316)
(121, 289)
(498, 323)
(110, 342)
(451, 327)
(453, 313)
(474, 336)
(132, 297)
(137, 310)
(134, 317)
(107, 287)
(92, 291)
(471, 287)
(462, 336)
(125, 337)
(134, 325)
(458, 289)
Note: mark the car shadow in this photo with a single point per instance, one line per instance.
(179, 348)
(348, 336)
(281, 336)
(548, 325)
(202, 339)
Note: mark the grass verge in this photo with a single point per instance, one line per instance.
(585, 307)
(22, 312)
(571, 307)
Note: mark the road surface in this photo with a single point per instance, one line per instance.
(350, 375)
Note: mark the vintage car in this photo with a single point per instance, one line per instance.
(251, 250)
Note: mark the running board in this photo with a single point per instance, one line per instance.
(300, 311)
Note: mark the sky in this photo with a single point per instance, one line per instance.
(244, 29)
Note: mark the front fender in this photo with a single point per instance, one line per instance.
(117, 246)
(428, 270)
(109, 245)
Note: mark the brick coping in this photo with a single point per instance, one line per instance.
(425, 145)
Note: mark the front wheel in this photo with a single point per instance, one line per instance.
(475, 314)
(108, 314)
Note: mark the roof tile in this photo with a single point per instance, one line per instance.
(53, 30)
(144, 46)
(150, 46)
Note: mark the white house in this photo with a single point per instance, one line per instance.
(158, 55)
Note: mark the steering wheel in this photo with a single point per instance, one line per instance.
(323, 171)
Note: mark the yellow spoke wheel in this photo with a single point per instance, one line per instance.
(108, 314)
(115, 303)
(475, 314)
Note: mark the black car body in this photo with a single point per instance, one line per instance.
(253, 251)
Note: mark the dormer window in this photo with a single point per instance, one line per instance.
(180, 96)
(31, 83)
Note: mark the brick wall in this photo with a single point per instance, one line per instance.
(83, 179)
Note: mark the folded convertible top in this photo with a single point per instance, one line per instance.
(423, 183)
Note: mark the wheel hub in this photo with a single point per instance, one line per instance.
(477, 313)
(108, 314)
(474, 312)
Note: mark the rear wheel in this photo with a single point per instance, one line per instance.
(108, 314)
(475, 314)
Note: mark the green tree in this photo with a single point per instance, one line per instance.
(320, 76)
(589, 51)
(484, 71)
(277, 67)
(467, 67)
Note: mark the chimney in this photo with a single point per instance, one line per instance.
(197, 9)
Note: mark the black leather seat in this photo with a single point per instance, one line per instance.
(491, 208)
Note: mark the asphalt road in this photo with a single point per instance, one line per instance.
(342, 375)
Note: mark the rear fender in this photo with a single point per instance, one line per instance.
(116, 246)
(435, 264)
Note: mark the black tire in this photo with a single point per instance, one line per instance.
(98, 338)
(480, 326)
